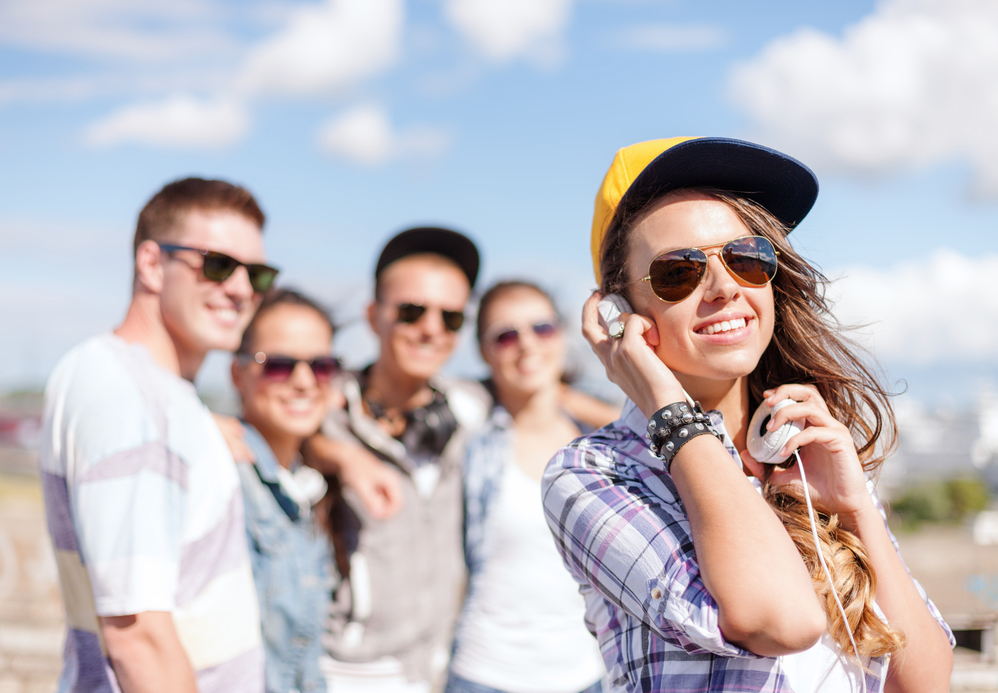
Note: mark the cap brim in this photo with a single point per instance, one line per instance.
(784, 186)
(447, 243)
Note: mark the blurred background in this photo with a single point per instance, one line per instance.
(353, 119)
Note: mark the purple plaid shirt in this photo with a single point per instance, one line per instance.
(622, 531)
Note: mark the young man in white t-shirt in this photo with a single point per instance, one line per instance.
(143, 499)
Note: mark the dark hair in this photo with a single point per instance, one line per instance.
(161, 215)
(274, 299)
(807, 347)
(499, 289)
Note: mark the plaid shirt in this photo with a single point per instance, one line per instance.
(622, 531)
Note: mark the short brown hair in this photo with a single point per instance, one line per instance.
(162, 213)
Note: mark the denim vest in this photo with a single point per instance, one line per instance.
(293, 571)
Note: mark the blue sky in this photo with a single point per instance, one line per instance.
(352, 119)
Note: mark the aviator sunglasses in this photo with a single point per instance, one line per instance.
(218, 267)
(507, 336)
(675, 275)
(410, 313)
(280, 368)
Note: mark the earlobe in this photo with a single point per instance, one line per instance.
(149, 267)
(372, 315)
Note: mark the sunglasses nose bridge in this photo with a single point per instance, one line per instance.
(719, 277)
(432, 320)
(526, 338)
(238, 280)
(302, 374)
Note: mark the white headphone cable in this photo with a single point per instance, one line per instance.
(828, 573)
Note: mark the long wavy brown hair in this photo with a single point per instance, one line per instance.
(807, 347)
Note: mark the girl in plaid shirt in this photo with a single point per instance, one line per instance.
(698, 566)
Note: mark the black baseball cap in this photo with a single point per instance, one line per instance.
(447, 243)
(649, 170)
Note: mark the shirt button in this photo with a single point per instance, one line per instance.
(656, 592)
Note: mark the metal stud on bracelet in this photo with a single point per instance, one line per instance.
(673, 426)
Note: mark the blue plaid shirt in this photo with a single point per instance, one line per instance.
(623, 533)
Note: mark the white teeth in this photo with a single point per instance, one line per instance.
(300, 405)
(226, 313)
(724, 326)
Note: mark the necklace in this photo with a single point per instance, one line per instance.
(392, 419)
(424, 430)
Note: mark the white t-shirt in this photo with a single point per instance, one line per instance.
(145, 513)
(823, 667)
(523, 629)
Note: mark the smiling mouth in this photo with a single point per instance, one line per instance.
(723, 326)
(300, 405)
(226, 314)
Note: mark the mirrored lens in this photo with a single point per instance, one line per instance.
(279, 367)
(261, 277)
(511, 335)
(507, 338)
(675, 275)
(453, 319)
(545, 329)
(752, 259)
(218, 267)
(410, 313)
(325, 368)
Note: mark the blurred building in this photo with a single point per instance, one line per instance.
(945, 443)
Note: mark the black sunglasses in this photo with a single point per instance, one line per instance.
(410, 313)
(508, 336)
(675, 275)
(279, 368)
(218, 267)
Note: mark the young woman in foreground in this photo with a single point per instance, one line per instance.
(696, 576)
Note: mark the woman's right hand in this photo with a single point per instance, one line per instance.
(631, 361)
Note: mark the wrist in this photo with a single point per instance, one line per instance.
(656, 401)
(674, 425)
(864, 518)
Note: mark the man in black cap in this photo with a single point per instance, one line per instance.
(393, 616)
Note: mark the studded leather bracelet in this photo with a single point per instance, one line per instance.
(674, 425)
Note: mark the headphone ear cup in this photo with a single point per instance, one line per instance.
(765, 445)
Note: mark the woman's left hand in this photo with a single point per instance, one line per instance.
(827, 449)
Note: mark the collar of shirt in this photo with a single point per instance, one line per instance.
(266, 462)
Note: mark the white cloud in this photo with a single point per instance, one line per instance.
(511, 29)
(178, 122)
(150, 30)
(364, 135)
(326, 47)
(911, 84)
(671, 38)
(940, 308)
